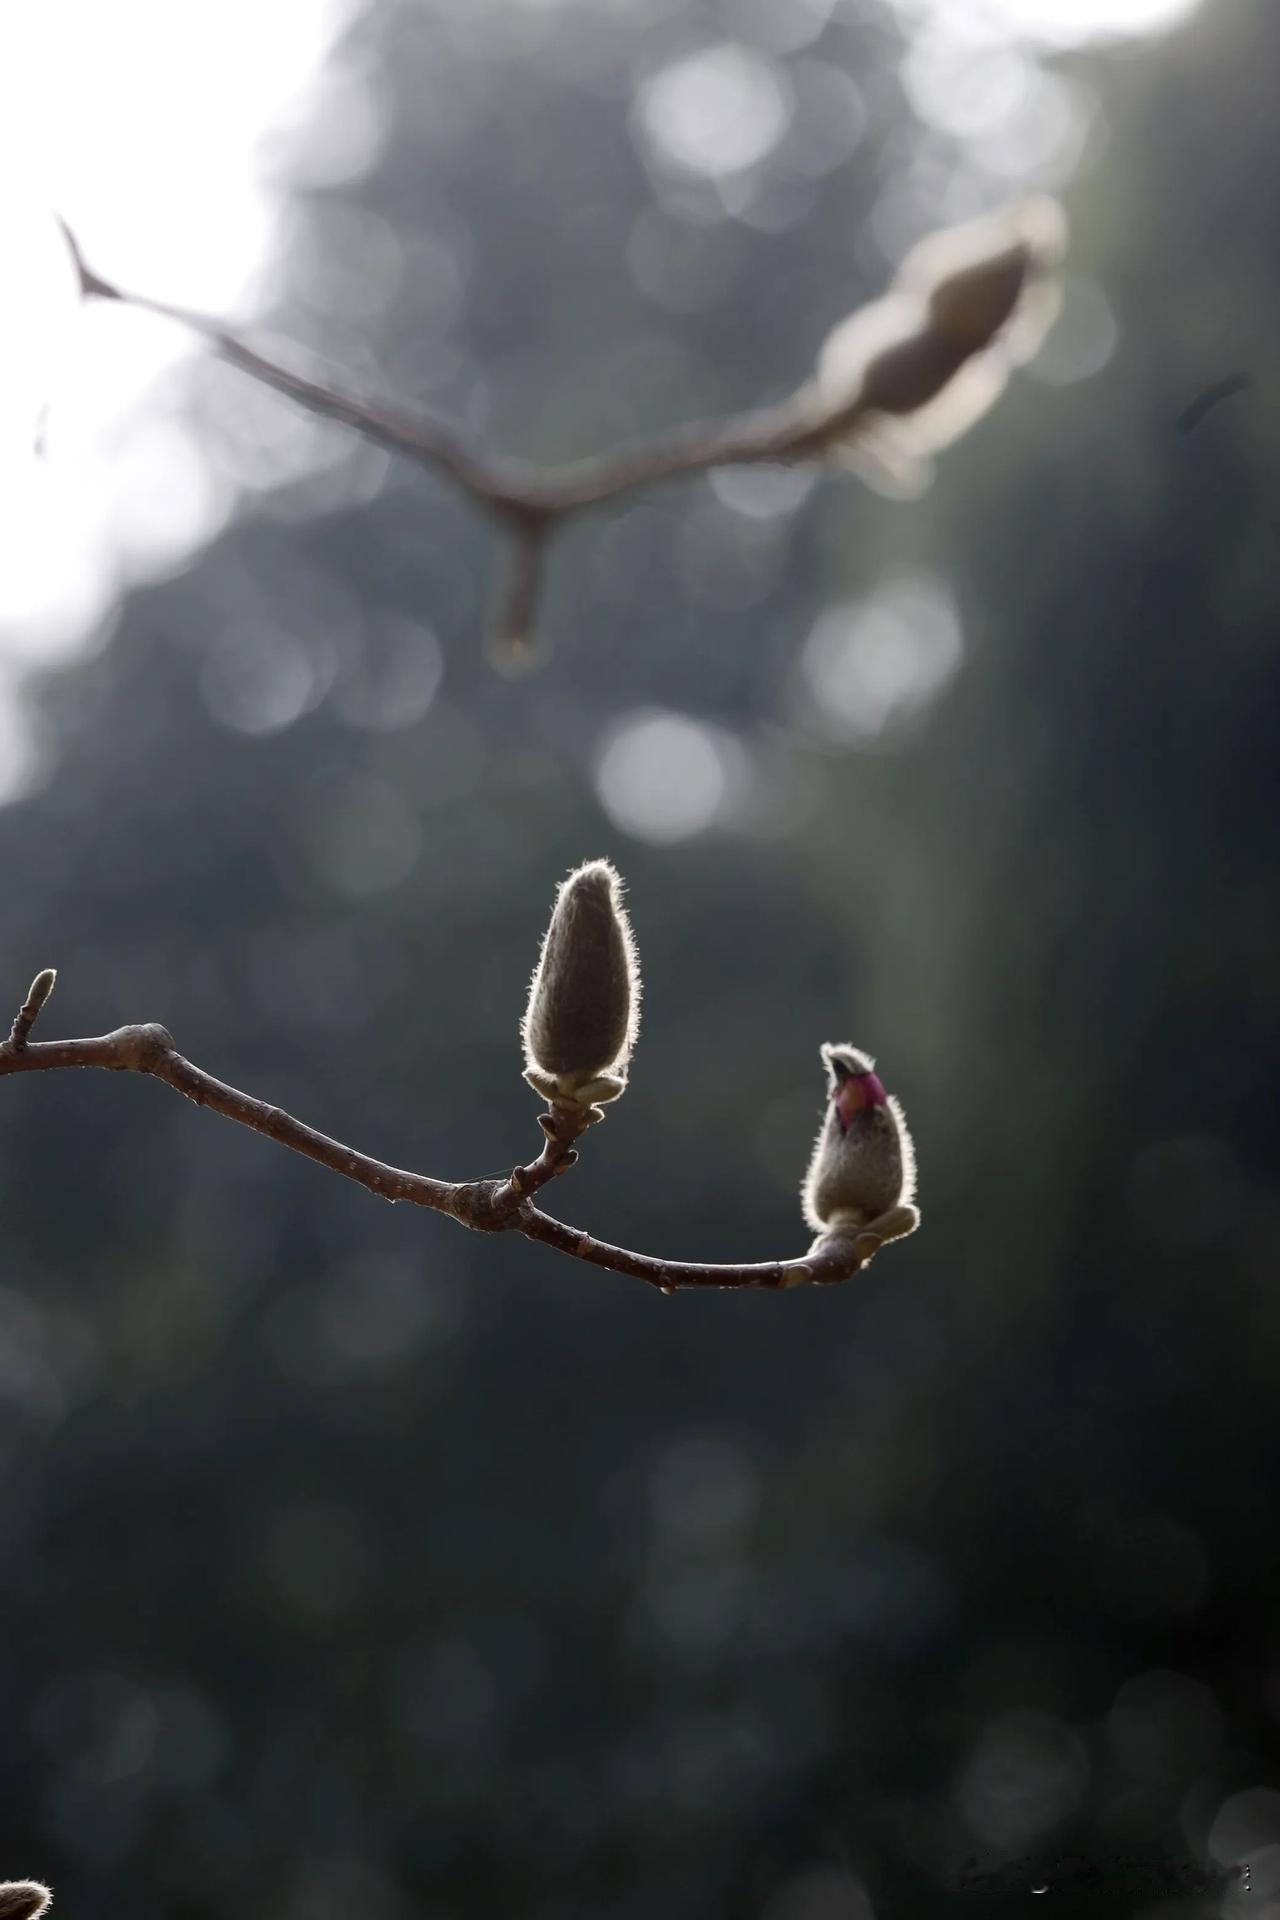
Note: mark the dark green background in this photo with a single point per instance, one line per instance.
(353, 1564)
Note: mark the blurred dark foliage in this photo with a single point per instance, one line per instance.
(355, 1564)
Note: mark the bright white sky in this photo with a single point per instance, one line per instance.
(154, 127)
(142, 122)
(1056, 23)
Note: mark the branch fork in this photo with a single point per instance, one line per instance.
(894, 382)
(486, 1206)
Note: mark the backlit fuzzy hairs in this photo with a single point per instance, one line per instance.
(918, 367)
(584, 1004)
(862, 1174)
(23, 1899)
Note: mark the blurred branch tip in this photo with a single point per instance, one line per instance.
(512, 643)
(1205, 402)
(578, 1033)
(23, 1899)
(894, 383)
(91, 286)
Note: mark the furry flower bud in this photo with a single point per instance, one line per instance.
(863, 1167)
(23, 1899)
(916, 369)
(580, 1024)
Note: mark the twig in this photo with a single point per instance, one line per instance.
(516, 493)
(520, 588)
(491, 1206)
(29, 1012)
(956, 297)
(418, 435)
(667, 1275)
(1224, 389)
(526, 502)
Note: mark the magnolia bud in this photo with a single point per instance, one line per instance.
(862, 1174)
(982, 280)
(913, 371)
(23, 1899)
(41, 987)
(580, 1024)
(971, 305)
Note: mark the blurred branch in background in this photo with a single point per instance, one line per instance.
(895, 382)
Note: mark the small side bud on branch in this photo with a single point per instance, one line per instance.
(913, 371)
(584, 1003)
(862, 1177)
(29, 1012)
(23, 1899)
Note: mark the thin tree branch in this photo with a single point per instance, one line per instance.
(796, 429)
(526, 502)
(150, 1049)
(955, 299)
(513, 491)
(492, 1206)
(418, 435)
(836, 1262)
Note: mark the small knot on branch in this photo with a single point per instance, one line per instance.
(29, 1012)
(142, 1048)
(489, 1206)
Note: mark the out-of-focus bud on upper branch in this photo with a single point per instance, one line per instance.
(584, 1004)
(911, 372)
(993, 285)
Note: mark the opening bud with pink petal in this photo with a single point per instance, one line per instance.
(862, 1175)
